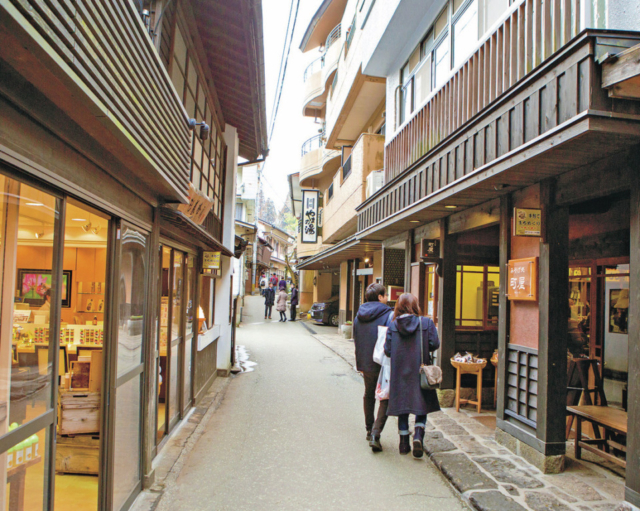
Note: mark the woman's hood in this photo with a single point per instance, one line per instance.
(407, 324)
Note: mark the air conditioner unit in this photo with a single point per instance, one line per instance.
(375, 181)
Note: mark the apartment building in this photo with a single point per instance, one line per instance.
(511, 199)
(343, 163)
(281, 244)
(120, 127)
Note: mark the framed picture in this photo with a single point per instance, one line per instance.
(32, 285)
(618, 311)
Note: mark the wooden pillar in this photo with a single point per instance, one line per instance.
(349, 312)
(447, 306)
(408, 256)
(632, 489)
(553, 318)
(503, 320)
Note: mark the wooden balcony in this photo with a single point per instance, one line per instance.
(516, 112)
(96, 64)
(263, 255)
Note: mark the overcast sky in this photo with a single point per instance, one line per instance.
(291, 128)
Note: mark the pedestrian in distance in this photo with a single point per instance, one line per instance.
(282, 284)
(269, 300)
(402, 346)
(294, 301)
(263, 284)
(274, 280)
(374, 312)
(281, 305)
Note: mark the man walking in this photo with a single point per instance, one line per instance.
(294, 301)
(269, 300)
(373, 313)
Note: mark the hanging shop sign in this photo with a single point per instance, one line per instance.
(198, 207)
(211, 260)
(310, 200)
(527, 222)
(364, 271)
(523, 279)
(431, 248)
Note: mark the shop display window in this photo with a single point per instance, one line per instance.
(477, 297)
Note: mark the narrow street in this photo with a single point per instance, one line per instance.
(290, 435)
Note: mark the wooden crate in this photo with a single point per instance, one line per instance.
(78, 454)
(78, 412)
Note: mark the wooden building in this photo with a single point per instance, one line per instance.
(120, 127)
(510, 203)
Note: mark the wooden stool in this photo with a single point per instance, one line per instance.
(466, 368)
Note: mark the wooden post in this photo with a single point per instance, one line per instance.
(553, 322)
(632, 486)
(408, 256)
(503, 319)
(447, 306)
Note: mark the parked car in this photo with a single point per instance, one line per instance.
(326, 312)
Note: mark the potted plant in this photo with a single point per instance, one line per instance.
(347, 330)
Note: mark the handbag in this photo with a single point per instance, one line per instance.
(378, 350)
(430, 375)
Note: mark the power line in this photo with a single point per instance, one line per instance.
(284, 72)
(282, 58)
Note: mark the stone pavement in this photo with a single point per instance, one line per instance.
(490, 477)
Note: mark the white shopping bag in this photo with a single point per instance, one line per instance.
(378, 351)
(382, 388)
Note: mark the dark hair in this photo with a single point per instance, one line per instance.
(407, 304)
(47, 293)
(373, 291)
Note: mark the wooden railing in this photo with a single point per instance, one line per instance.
(532, 32)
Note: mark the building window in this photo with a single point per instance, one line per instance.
(477, 297)
(465, 33)
(239, 211)
(207, 165)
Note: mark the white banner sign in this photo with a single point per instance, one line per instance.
(310, 216)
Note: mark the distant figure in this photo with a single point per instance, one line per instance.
(263, 284)
(294, 301)
(281, 305)
(269, 300)
(46, 306)
(282, 284)
(274, 280)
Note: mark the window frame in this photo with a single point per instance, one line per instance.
(487, 325)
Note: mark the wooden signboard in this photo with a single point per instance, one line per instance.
(211, 260)
(431, 248)
(523, 279)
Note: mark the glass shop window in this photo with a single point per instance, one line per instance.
(477, 297)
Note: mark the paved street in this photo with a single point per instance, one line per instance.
(290, 435)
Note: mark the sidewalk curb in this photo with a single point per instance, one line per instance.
(167, 465)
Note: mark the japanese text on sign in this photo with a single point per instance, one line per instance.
(211, 260)
(523, 279)
(310, 216)
(527, 222)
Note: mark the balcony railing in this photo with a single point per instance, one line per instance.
(315, 142)
(314, 67)
(333, 37)
(350, 33)
(532, 32)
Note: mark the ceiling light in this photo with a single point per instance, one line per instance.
(79, 219)
(414, 221)
(451, 206)
(39, 235)
(366, 259)
(86, 227)
(34, 204)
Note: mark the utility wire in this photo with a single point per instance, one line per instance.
(282, 58)
(284, 72)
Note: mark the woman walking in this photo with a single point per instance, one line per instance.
(281, 304)
(403, 347)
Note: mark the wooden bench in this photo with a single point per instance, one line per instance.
(611, 420)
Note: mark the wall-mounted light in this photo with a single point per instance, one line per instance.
(39, 235)
(96, 229)
(204, 128)
(86, 227)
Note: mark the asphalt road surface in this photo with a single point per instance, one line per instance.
(289, 435)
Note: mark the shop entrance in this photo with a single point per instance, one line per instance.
(175, 340)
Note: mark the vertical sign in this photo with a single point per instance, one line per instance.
(523, 279)
(310, 216)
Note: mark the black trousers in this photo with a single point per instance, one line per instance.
(293, 312)
(374, 425)
(267, 311)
